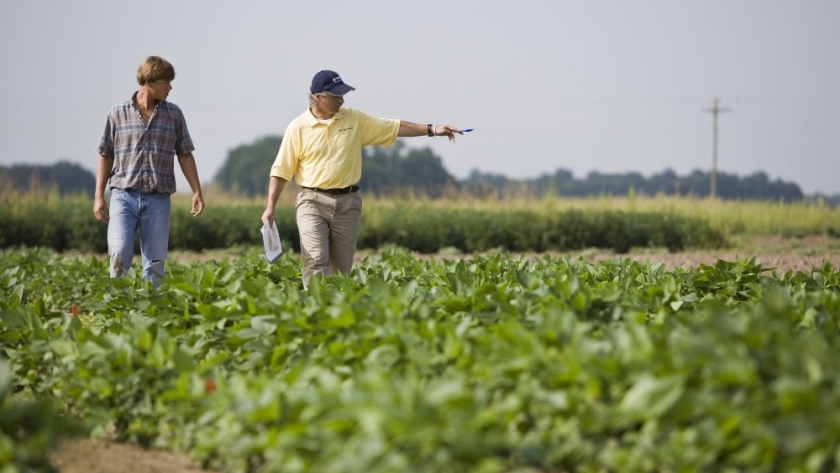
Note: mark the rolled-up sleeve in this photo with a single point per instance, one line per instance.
(183, 141)
(106, 141)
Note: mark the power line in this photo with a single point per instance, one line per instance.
(715, 110)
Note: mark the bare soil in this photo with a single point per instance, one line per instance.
(783, 254)
(777, 253)
(103, 456)
(780, 254)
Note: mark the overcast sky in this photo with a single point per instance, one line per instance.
(587, 85)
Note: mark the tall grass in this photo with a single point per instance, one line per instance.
(730, 217)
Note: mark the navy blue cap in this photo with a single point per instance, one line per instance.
(329, 81)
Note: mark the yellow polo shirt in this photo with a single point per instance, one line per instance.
(329, 156)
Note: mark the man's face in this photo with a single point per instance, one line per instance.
(160, 89)
(330, 103)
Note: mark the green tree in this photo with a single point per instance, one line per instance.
(422, 170)
(247, 167)
(400, 171)
(64, 176)
(381, 168)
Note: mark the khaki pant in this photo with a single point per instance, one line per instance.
(329, 229)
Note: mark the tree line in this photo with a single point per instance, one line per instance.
(757, 186)
(402, 171)
(65, 177)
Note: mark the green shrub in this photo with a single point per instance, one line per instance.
(425, 229)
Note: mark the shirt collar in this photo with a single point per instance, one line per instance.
(312, 121)
(133, 101)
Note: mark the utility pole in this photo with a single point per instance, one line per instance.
(715, 110)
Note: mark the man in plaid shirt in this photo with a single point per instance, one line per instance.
(137, 160)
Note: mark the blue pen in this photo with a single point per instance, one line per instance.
(467, 130)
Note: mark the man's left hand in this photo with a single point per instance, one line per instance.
(197, 205)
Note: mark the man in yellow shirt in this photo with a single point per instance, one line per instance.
(322, 150)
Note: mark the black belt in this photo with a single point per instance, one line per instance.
(343, 190)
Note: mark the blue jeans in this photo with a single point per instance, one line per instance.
(132, 212)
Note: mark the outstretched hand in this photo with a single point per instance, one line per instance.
(447, 130)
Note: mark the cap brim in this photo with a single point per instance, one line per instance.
(340, 89)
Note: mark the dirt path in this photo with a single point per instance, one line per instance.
(100, 456)
(783, 254)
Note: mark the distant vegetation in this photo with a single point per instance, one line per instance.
(729, 186)
(64, 177)
(68, 224)
(400, 171)
(246, 169)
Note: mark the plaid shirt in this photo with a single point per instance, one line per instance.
(144, 155)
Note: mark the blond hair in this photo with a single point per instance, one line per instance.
(155, 68)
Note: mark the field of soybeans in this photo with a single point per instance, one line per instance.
(522, 359)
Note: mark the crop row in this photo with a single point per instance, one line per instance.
(491, 364)
(70, 226)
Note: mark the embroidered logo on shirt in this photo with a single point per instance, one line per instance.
(345, 129)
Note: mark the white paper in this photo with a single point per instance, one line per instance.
(271, 242)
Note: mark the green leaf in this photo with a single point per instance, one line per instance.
(264, 323)
(651, 397)
(5, 380)
(64, 347)
(183, 361)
